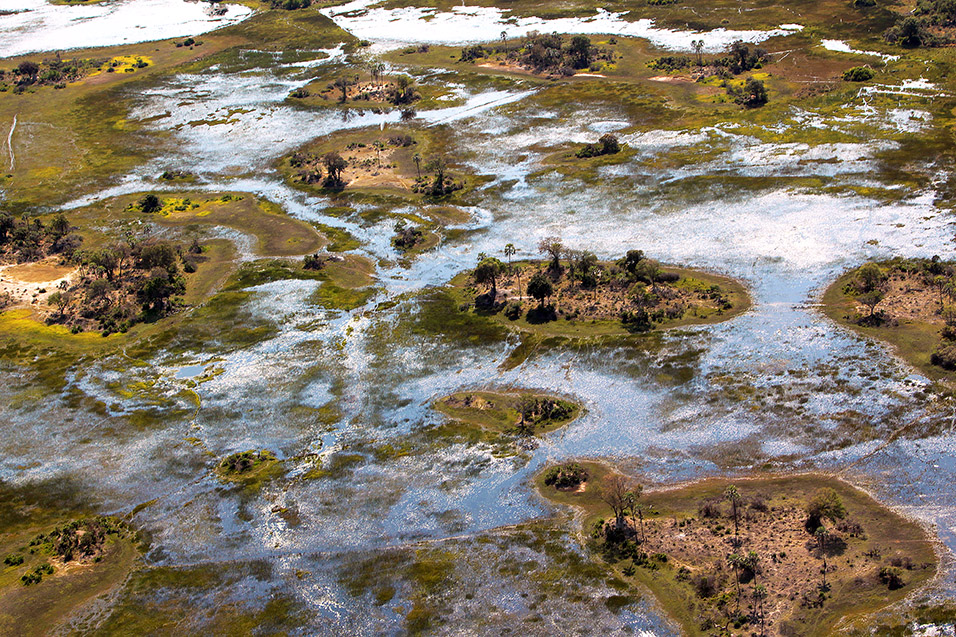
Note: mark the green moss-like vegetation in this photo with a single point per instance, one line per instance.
(676, 542)
(904, 302)
(520, 413)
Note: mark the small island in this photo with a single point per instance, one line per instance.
(574, 294)
(251, 468)
(48, 571)
(776, 555)
(909, 303)
(520, 413)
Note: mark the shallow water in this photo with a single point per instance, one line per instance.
(669, 407)
(37, 25)
(464, 25)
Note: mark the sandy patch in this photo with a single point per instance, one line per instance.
(670, 79)
(30, 284)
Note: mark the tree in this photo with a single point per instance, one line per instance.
(150, 203)
(869, 277)
(753, 93)
(343, 84)
(418, 164)
(759, 595)
(580, 51)
(553, 247)
(105, 259)
(60, 300)
(732, 495)
(59, 227)
(825, 504)
(698, 47)
(822, 535)
(735, 562)
(615, 491)
(438, 166)
(540, 287)
(334, 165)
(487, 272)
(635, 507)
(510, 251)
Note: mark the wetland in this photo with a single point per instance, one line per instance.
(429, 318)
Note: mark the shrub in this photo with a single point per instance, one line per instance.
(513, 310)
(13, 560)
(944, 356)
(566, 475)
(150, 203)
(858, 74)
(892, 577)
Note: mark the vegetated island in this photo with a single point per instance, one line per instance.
(521, 413)
(777, 555)
(574, 294)
(48, 572)
(251, 468)
(909, 303)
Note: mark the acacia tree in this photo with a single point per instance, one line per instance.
(616, 493)
(635, 507)
(343, 84)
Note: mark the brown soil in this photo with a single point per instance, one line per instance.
(908, 299)
(369, 168)
(24, 282)
(607, 300)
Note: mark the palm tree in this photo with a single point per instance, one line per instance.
(510, 252)
(698, 46)
(734, 560)
(733, 496)
(760, 594)
(418, 164)
(822, 535)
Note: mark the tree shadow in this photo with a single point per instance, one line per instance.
(542, 314)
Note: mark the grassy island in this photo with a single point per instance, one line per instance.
(49, 572)
(778, 555)
(573, 294)
(909, 303)
(520, 413)
(250, 469)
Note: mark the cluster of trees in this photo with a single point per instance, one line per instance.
(309, 169)
(23, 240)
(635, 276)
(608, 144)
(440, 183)
(926, 26)
(751, 94)
(401, 91)
(535, 410)
(739, 58)
(290, 5)
(407, 236)
(565, 476)
(123, 284)
(543, 53)
(80, 540)
(243, 461)
(50, 72)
